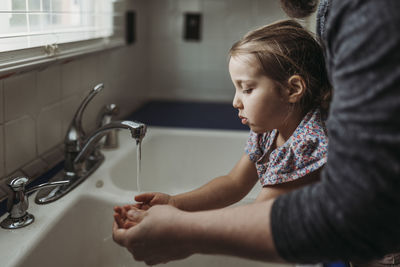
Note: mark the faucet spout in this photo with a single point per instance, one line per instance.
(138, 131)
(75, 132)
(77, 120)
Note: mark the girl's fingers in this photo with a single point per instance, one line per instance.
(117, 209)
(128, 224)
(135, 215)
(146, 197)
(118, 220)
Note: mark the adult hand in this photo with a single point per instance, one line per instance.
(148, 200)
(156, 238)
(164, 233)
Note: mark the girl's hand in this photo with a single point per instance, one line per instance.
(157, 236)
(122, 218)
(148, 200)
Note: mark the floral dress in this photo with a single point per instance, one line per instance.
(304, 152)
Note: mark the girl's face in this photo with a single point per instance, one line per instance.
(260, 104)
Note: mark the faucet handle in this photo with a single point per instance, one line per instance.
(106, 114)
(110, 140)
(18, 184)
(18, 203)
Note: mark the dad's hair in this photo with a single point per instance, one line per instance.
(299, 8)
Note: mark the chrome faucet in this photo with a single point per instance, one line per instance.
(75, 133)
(110, 141)
(138, 131)
(82, 154)
(18, 203)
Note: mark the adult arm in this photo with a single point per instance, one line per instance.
(166, 233)
(353, 213)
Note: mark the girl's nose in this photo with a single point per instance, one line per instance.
(237, 103)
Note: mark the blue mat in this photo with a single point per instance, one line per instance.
(189, 115)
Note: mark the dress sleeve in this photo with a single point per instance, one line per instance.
(353, 213)
(303, 156)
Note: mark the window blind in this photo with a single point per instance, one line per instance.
(34, 23)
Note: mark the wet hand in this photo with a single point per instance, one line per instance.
(157, 237)
(123, 218)
(148, 200)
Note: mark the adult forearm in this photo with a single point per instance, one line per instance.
(242, 231)
(165, 233)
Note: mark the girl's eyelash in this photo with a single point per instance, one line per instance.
(247, 91)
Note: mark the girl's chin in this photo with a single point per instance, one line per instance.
(258, 130)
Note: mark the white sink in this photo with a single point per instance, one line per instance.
(76, 229)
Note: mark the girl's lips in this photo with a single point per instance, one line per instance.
(243, 119)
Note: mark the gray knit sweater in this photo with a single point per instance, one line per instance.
(354, 212)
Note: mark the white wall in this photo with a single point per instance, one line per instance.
(198, 70)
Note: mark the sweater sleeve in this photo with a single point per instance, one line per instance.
(354, 212)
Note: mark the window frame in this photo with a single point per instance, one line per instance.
(21, 59)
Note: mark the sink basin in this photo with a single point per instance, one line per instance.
(76, 229)
(82, 237)
(178, 160)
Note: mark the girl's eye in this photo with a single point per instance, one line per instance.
(247, 91)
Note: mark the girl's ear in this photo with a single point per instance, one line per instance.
(297, 88)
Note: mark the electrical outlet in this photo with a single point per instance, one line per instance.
(192, 27)
(130, 27)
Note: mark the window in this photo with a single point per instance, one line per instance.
(47, 28)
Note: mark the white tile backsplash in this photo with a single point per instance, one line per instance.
(49, 128)
(189, 5)
(267, 11)
(214, 26)
(54, 156)
(1, 102)
(89, 73)
(20, 96)
(20, 146)
(71, 77)
(49, 85)
(35, 168)
(2, 163)
(68, 107)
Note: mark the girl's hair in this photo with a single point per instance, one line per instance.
(284, 49)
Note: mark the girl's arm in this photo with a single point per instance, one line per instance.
(272, 191)
(221, 191)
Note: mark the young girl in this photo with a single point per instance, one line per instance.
(282, 94)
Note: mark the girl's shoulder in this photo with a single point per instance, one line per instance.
(304, 152)
(312, 126)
